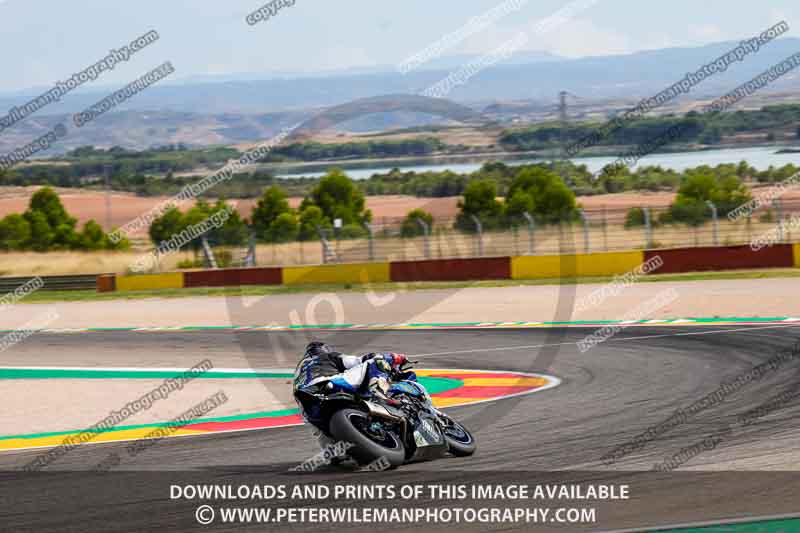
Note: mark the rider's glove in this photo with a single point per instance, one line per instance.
(382, 364)
(385, 362)
(398, 360)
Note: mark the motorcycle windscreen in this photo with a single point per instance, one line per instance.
(407, 387)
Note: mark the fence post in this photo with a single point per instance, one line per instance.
(749, 226)
(370, 242)
(515, 238)
(323, 242)
(776, 203)
(426, 231)
(648, 228)
(585, 220)
(250, 258)
(531, 231)
(302, 244)
(715, 221)
(327, 252)
(479, 227)
(209, 254)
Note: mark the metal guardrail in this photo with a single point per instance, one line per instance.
(53, 283)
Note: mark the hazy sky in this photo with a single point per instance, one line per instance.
(45, 41)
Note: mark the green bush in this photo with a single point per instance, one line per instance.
(42, 235)
(412, 228)
(687, 211)
(15, 232)
(542, 193)
(270, 206)
(184, 264)
(352, 231)
(284, 228)
(691, 204)
(168, 224)
(634, 218)
(767, 217)
(93, 237)
(232, 232)
(224, 258)
(310, 218)
(480, 200)
(338, 197)
(46, 225)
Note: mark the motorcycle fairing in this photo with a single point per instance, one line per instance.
(428, 438)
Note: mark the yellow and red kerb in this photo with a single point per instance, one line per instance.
(475, 386)
(482, 386)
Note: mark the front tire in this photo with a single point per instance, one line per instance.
(460, 442)
(352, 425)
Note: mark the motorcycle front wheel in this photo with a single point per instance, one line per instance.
(460, 441)
(370, 440)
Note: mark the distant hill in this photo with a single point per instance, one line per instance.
(225, 112)
(527, 75)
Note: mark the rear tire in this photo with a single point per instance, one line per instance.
(345, 425)
(460, 442)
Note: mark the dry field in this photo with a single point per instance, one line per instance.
(443, 243)
(85, 205)
(55, 263)
(468, 136)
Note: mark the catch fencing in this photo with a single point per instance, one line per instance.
(590, 231)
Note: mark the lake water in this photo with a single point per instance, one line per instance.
(759, 157)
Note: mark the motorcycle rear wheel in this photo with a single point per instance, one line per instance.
(352, 425)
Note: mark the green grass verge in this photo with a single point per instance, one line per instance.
(261, 290)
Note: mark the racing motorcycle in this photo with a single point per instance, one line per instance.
(395, 421)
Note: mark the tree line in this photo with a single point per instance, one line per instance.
(537, 191)
(428, 184)
(273, 220)
(315, 151)
(47, 226)
(502, 197)
(703, 128)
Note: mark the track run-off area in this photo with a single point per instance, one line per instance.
(538, 405)
(448, 388)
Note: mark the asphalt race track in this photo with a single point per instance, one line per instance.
(608, 395)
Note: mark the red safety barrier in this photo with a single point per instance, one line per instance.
(106, 283)
(452, 269)
(721, 258)
(233, 277)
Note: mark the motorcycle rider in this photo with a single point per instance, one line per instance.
(321, 364)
